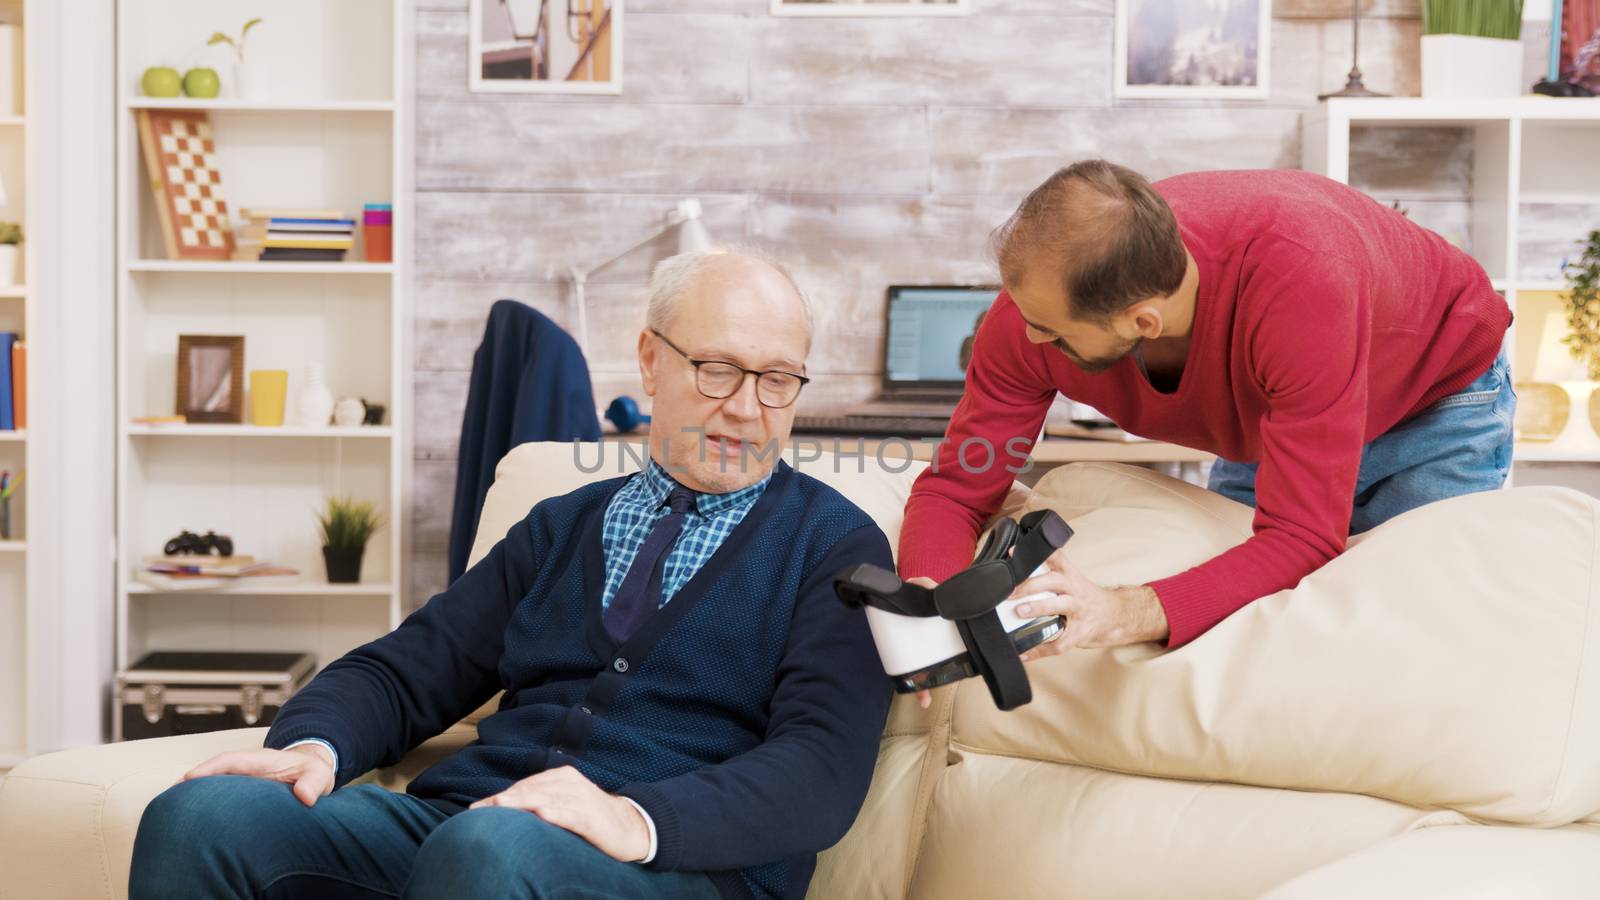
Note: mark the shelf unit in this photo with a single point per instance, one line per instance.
(17, 453)
(334, 133)
(1528, 155)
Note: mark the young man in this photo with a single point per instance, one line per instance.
(688, 709)
(1342, 361)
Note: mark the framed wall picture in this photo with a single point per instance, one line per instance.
(870, 7)
(545, 46)
(1193, 48)
(211, 378)
(1577, 44)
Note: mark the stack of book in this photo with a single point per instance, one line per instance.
(299, 235)
(211, 573)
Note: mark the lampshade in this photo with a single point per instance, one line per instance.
(692, 234)
(1554, 362)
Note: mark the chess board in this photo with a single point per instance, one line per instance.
(180, 157)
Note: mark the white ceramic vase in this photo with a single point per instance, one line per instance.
(10, 264)
(249, 81)
(316, 401)
(1463, 67)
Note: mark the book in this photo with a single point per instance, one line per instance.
(288, 254)
(266, 214)
(311, 223)
(11, 59)
(202, 561)
(262, 232)
(7, 417)
(302, 243)
(19, 384)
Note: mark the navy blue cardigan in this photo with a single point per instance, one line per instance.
(744, 717)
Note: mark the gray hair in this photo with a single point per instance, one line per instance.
(672, 277)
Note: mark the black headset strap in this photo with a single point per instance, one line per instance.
(996, 660)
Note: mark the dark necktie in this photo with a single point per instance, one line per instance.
(640, 594)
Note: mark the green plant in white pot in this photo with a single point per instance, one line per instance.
(10, 253)
(347, 525)
(1471, 49)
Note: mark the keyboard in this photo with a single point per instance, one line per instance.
(872, 426)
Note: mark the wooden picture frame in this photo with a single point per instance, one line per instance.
(545, 46)
(211, 378)
(1178, 49)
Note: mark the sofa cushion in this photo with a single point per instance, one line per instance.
(1021, 828)
(534, 471)
(1448, 658)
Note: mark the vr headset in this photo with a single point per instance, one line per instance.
(928, 637)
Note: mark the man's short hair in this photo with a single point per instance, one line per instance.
(1110, 237)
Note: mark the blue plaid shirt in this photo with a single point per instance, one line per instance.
(642, 501)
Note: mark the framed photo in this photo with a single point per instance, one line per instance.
(869, 7)
(1576, 41)
(1193, 48)
(211, 378)
(545, 46)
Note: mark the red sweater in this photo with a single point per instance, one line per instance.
(1323, 319)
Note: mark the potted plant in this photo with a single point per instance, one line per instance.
(1471, 48)
(10, 252)
(346, 527)
(1583, 306)
(247, 80)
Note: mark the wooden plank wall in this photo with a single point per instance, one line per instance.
(864, 150)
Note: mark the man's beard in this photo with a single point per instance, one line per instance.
(1098, 364)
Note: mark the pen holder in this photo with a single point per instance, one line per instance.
(5, 519)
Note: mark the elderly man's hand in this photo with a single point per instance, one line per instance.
(1095, 616)
(307, 769)
(566, 799)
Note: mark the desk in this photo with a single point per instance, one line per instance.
(1047, 453)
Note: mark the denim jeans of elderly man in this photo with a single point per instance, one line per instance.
(1459, 445)
(407, 848)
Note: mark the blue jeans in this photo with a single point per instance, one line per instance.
(231, 836)
(1459, 445)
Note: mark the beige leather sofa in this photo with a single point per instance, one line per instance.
(1421, 718)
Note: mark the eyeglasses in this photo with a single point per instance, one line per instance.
(775, 388)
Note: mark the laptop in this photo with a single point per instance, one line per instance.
(927, 330)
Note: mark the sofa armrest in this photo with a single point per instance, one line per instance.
(67, 820)
(1460, 862)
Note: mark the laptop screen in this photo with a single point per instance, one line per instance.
(926, 331)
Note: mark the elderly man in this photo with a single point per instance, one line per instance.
(687, 712)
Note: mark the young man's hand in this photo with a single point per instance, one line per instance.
(566, 799)
(1095, 616)
(307, 769)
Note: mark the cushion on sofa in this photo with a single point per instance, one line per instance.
(1447, 659)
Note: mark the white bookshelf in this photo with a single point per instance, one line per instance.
(335, 133)
(1525, 150)
(17, 453)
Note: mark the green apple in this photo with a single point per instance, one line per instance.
(202, 83)
(161, 81)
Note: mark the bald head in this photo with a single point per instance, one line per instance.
(723, 273)
(1100, 234)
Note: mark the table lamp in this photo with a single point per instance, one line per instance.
(692, 235)
(1555, 365)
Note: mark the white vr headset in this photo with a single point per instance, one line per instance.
(927, 637)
